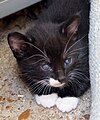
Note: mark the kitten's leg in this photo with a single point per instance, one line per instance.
(46, 100)
(66, 104)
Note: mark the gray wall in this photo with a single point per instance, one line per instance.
(8, 7)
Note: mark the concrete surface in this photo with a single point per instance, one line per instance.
(16, 102)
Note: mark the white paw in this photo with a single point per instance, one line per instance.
(66, 104)
(46, 100)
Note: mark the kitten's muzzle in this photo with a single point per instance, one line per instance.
(55, 83)
(62, 79)
(60, 76)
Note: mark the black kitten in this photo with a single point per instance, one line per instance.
(53, 55)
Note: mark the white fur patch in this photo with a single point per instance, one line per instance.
(46, 100)
(55, 83)
(66, 104)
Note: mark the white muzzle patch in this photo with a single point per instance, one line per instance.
(55, 83)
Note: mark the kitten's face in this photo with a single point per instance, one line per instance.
(49, 56)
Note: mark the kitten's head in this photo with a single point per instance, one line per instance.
(50, 56)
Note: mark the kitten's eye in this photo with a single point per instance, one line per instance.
(68, 61)
(46, 67)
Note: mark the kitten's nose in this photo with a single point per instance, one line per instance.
(53, 75)
(62, 79)
(60, 76)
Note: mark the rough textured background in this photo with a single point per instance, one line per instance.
(16, 102)
(95, 58)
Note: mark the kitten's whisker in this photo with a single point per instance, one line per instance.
(77, 77)
(76, 50)
(75, 43)
(37, 61)
(38, 50)
(42, 86)
(82, 56)
(41, 81)
(30, 84)
(49, 89)
(75, 81)
(80, 73)
(69, 40)
(27, 81)
(40, 89)
(70, 82)
(24, 73)
(36, 55)
(73, 53)
(34, 91)
(78, 69)
(45, 87)
(35, 84)
(36, 88)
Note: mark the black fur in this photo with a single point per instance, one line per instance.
(61, 27)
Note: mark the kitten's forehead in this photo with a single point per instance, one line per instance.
(54, 46)
(45, 31)
(48, 36)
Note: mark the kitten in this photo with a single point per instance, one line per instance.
(53, 55)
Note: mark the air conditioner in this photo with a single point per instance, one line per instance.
(8, 7)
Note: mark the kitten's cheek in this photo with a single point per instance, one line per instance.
(46, 101)
(67, 104)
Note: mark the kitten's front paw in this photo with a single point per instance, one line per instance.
(66, 104)
(46, 100)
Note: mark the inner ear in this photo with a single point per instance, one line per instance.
(18, 44)
(71, 27)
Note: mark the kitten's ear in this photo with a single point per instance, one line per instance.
(71, 27)
(18, 44)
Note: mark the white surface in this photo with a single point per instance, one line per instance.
(8, 7)
(94, 45)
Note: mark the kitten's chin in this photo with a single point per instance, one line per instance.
(55, 83)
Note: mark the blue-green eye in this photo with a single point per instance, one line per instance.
(68, 61)
(46, 67)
